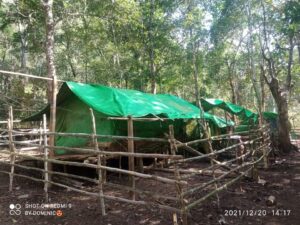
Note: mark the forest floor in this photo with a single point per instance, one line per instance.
(243, 203)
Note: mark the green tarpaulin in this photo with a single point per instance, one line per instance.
(75, 99)
(243, 113)
(247, 117)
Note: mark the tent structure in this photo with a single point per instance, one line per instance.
(75, 99)
(246, 116)
(241, 112)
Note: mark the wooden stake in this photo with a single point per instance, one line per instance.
(52, 122)
(46, 174)
(10, 124)
(177, 176)
(266, 166)
(254, 170)
(99, 164)
(131, 158)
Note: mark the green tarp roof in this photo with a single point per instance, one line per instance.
(124, 102)
(243, 113)
(240, 111)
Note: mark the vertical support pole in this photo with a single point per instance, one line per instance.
(264, 150)
(212, 163)
(254, 171)
(104, 172)
(173, 149)
(46, 173)
(140, 163)
(100, 180)
(131, 158)
(52, 122)
(10, 124)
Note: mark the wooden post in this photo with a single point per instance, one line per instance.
(46, 174)
(265, 151)
(104, 172)
(254, 170)
(173, 149)
(131, 158)
(140, 163)
(212, 160)
(52, 123)
(10, 124)
(99, 164)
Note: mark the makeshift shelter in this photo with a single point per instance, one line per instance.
(75, 99)
(247, 117)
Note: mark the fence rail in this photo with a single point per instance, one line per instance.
(182, 195)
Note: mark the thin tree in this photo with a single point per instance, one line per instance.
(47, 5)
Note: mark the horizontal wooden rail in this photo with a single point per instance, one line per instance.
(111, 169)
(110, 153)
(224, 186)
(217, 152)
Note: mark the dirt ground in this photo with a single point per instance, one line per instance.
(243, 203)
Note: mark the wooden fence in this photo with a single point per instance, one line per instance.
(189, 180)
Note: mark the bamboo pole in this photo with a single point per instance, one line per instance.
(112, 169)
(52, 121)
(84, 135)
(225, 185)
(85, 150)
(139, 119)
(177, 176)
(11, 147)
(214, 166)
(212, 138)
(266, 166)
(27, 75)
(5, 122)
(212, 163)
(192, 205)
(118, 186)
(194, 151)
(254, 170)
(130, 158)
(215, 152)
(52, 172)
(46, 166)
(214, 180)
(102, 203)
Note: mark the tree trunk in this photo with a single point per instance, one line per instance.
(151, 50)
(284, 141)
(195, 74)
(47, 4)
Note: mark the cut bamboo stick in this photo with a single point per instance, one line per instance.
(46, 166)
(84, 135)
(10, 124)
(192, 205)
(109, 153)
(177, 176)
(130, 158)
(102, 203)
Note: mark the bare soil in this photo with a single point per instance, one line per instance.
(282, 182)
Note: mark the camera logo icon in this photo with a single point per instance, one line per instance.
(15, 209)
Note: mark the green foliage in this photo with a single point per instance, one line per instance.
(110, 41)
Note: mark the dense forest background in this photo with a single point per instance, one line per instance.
(243, 51)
